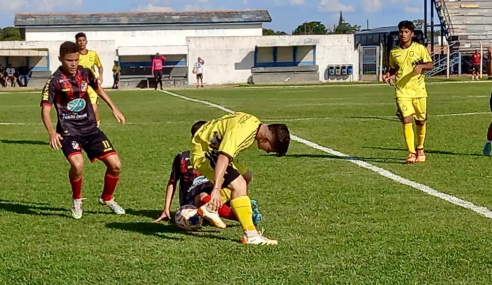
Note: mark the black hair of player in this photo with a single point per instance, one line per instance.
(80, 35)
(280, 138)
(406, 25)
(68, 48)
(196, 126)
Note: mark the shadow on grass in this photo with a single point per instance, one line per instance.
(23, 142)
(161, 229)
(152, 214)
(427, 151)
(36, 209)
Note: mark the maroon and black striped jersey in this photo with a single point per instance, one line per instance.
(69, 95)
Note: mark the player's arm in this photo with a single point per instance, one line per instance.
(153, 64)
(170, 190)
(48, 95)
(105, 97)
(427, 64)
(392, 70)
(98, 63)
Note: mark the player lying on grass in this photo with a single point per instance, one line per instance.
(408, 62)
(195, 189)
(76, 129)
(214, 152)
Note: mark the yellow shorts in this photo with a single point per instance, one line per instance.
(416, 107)
(93, 96)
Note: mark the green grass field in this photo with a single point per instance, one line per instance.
(336, 222)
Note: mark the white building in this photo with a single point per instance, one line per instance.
(230, 42)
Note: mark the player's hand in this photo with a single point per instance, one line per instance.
(55, 141)
(215, 199)
(119, 116)
(418, 69)
(166, 216)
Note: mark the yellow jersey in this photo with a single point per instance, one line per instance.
(90, 60)
(229, 135)
(408, 84)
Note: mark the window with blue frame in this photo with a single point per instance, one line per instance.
(285, 56)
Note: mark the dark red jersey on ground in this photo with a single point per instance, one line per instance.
(183, 172)
(69, 95)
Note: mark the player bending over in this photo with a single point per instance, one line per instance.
(214, 152)
(90, 59)
(76, 129)
(195, 189)
(408, 62)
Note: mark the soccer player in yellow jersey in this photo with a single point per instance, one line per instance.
(407, 65)
(214, 152)
(90, 59)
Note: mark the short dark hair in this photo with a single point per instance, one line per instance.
(196, 126)
(68, 48)
(407, 25)
(280, 138)
(80, 35)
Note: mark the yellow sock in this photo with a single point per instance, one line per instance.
(409, 137)
(98, 123)
(421, 131)
(242, 208)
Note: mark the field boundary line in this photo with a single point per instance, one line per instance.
(383, 172)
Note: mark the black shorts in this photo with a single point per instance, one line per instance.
(158, 74)
(231, 173)
(476, 68)
(199, 76)
(490, 102)
(188, 196)
(97, 146)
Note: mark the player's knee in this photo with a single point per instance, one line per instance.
(420, 123)
(114, 165)
(407, 120)
(248, 176)
(239, 187)
(77, 166)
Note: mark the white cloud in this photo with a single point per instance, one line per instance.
(334, 6)
(372, 5)
(35, 6)
(153, 8)
(297, 2)
(413, 10)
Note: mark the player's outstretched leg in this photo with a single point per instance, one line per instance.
(241, 205)
(75, 175)
(409, 140)
(111, 178)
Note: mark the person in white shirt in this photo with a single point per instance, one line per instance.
(198, 70)
(10, 72)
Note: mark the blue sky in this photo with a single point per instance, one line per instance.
(286, 14)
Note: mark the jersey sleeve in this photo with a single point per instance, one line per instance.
(97, 61)
(392, 61)
(425, 54)
(49, 92)
(239, 137)
(175, 171)
(91, 79)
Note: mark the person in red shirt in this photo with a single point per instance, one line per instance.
(476, 60)
(157, 66)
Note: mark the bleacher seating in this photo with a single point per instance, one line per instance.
(470, 22)
(142, 77)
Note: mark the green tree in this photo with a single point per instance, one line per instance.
(270, 32)
(10, 34)
(311, 28)
(344, 27)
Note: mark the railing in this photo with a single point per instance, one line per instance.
(442, 11)
(442, 64)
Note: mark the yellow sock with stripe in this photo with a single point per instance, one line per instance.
(421, 131)
(409, 137)
(242, 208)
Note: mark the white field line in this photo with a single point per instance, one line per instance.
(383, 172)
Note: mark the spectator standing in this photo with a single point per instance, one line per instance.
(476, 60)
(157, 66)
(116, 74)
(23, 72)
(198, 70)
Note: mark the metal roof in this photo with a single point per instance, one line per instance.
(380, 30)
(141, 18)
